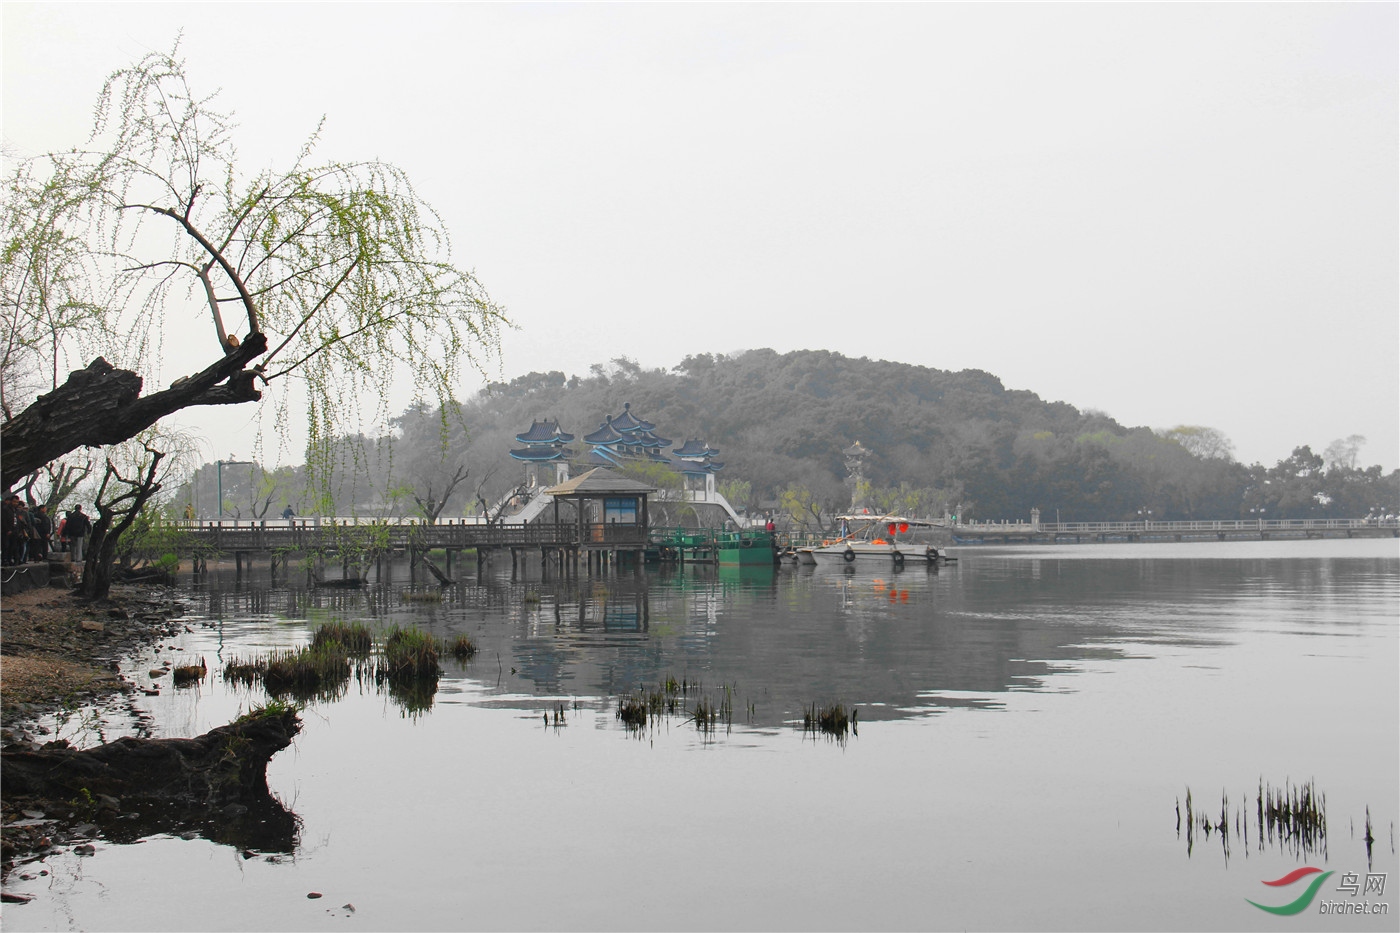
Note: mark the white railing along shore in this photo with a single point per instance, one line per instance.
(1178, 527)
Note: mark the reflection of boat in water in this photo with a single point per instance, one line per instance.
(877, 540)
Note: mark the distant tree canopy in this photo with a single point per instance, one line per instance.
(956, 442)
(940, 443)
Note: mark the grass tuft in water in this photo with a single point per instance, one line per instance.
(1292, 816)
(672, 698)
(354, 637)
(320, 671)
(411, 652)
(832, 720)
(247, 673)
(632, 710)
(272, 709)
(463, 648)
(188, 674)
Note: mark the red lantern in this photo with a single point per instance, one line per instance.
(892, 526)
(903, 527)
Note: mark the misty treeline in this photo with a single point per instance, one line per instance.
(940, 443)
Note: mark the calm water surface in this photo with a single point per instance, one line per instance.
(1029, 721)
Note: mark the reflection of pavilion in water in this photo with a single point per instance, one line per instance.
(607, 612)
(896, 644)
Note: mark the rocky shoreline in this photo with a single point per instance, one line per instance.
(60, 653)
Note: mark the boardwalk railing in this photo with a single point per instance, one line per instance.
(308, 534)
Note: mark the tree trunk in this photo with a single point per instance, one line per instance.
(98, 562)
(220, 766)
(103, 405)
(214, 785)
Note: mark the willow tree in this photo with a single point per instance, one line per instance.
(336, 274)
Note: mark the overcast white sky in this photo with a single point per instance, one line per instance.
(1175, 213)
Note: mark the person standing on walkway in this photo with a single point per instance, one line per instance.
(24, 533)
(9, 525)
(43, 531)
(76, 528)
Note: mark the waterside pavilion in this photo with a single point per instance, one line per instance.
(609, 513)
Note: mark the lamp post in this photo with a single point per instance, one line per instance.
(219, 465)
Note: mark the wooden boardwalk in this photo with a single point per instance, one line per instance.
(310, 535)
(563, 544)
(566, 545)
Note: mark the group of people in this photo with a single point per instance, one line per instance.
(29, 531)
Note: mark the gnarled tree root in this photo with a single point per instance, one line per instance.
(214, 785)
(218, 767)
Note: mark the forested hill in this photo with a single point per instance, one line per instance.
(940, 440)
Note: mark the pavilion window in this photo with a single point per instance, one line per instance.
(620, 510)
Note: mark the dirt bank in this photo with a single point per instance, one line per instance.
(57, 649)
(59, 652)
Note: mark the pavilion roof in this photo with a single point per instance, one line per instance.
(647, 439)
(604, 435)
(544, 431)
(695, 447)
(628, 422)
(600, 481)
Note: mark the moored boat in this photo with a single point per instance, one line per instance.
(746, 548)
(876, 541)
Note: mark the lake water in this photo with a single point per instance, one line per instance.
(1029, 723)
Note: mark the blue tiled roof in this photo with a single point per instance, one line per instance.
(695, 447)
(604, 435)
(628, 422)
(544, 431)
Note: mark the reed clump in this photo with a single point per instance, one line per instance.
(832, 719)
(1293, 816)
(408, 669)
(314, 671)
(272, 709)
(632, 710)
(354, 637)
(708, 714)
(463, 648)
(245, 672)
(187, 674)
(411, 652)
(672, 697)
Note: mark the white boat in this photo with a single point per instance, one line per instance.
(876, 539)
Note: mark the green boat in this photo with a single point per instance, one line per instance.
(747, 549)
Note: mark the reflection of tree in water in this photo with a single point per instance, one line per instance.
(258, 823)
(895, 644)
(412, 693)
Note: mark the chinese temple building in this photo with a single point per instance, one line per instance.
(695, 460)
(619, 440)
(626, 438)
(546, 451)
